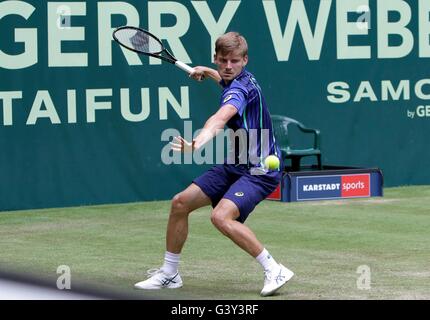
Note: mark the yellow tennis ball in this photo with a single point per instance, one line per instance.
(272, 162)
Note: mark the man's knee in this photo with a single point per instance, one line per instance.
(216, 219)
(220, 221)
(180, 204)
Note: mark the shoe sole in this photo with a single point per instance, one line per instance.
(159, 288)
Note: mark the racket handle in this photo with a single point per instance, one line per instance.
(184, 67)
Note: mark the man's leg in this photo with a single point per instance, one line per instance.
(224, 218)
(183, 204)
(205, 189)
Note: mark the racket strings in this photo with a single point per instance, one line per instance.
(139, 41)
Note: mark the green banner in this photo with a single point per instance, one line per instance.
(83, 121)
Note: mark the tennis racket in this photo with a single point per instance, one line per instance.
(144, 42)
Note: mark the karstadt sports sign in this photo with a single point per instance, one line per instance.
(333, 187)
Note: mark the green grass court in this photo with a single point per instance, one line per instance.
(323, 242)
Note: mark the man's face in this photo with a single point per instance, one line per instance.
(230, 65)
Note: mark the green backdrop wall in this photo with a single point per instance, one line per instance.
(81, 121)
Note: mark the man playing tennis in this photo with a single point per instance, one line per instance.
(233, 190)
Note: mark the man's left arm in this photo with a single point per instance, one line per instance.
(210, 130)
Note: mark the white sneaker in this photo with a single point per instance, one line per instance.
(275, 279)
(159, 280)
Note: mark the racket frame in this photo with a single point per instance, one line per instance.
(170, 58)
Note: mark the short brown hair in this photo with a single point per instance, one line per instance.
(230, 42)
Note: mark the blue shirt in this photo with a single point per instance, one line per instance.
(251, 122)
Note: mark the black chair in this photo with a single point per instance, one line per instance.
(281, 124)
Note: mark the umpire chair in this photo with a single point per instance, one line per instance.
(281, 124)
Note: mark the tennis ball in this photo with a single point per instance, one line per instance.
(271, 162)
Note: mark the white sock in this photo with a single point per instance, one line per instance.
(266, 260)
(171, 262)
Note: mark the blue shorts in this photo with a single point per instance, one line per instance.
(237, 184)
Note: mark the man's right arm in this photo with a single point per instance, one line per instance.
(201, 72)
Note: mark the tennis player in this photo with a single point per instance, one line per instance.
(233, 190)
